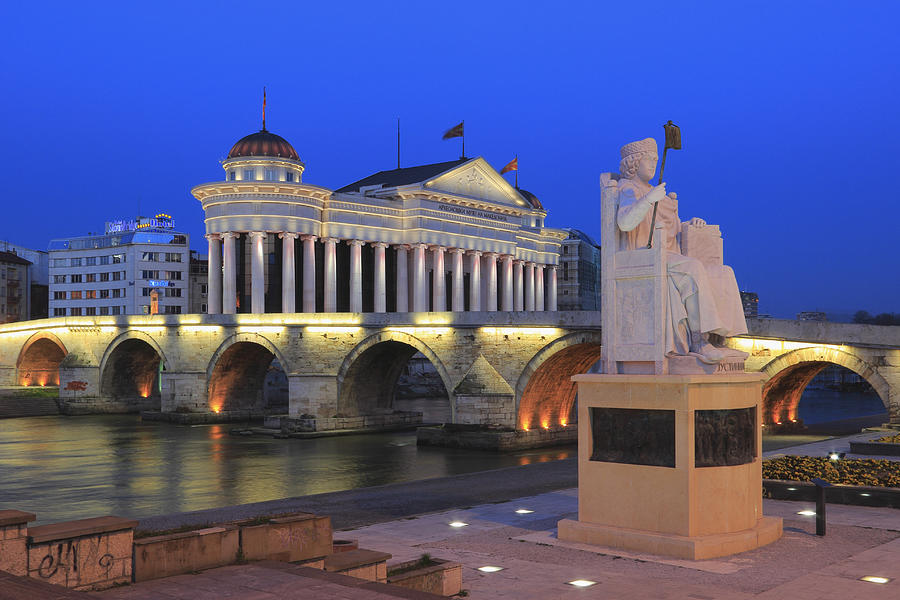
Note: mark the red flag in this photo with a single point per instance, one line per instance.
(454, 132)
(512, 166)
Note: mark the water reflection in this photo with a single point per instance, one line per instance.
(77, 467)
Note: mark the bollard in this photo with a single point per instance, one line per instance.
(820, 484)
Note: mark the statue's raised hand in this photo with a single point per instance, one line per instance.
(657, 193)
(696, 222)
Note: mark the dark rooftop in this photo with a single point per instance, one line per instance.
(9, 257)
(405, 176)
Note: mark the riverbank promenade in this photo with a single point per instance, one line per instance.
(518, 535)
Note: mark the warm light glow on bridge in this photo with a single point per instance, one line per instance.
(332, 329)
(542, 331)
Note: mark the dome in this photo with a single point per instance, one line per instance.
(263, 143)
(530, 198)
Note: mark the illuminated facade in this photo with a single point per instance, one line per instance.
(452, 236)
(14, 286)
(135, 265)
(579, 279)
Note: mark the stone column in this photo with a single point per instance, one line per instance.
(490, 266)
(214, 281)
(330, 267)
(458, 302)
(438, 288)
(380, 289)
(355, 275)
(539, 287)
(402, 278)
(519, 284)
(506, 302)
(474, 281)
(420, 291)
(529, 286)
(257, 272)
(309, 273)
(551, 289)
(229, 274)
(288, 273)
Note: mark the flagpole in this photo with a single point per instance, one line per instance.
(264, 108)
(398, 142)
(464, 140)
(517, 171)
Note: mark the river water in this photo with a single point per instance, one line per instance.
(77, 467)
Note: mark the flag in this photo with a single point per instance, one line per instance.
(454, 132)
(512, 166)
(264, 107)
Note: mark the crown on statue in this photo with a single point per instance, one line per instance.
(645, 145)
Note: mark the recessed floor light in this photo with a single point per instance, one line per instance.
(582, 583)
(864, 494)
(807, 513)
(874, 579)
(524, 511)
(458, 524)
(489, 569)
(792, 489)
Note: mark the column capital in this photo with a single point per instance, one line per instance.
(288, 234)
(257, 234)
(474, 252)
(213, 237)
(518, 261)
(458, 250)
(418, 245)
(437, 248)
(507, 257)
(356, 243)
(230, 235)
(552, 267)
(307, 237)
(330, 240)
(491, 256)
(379, 244)
(404, 247)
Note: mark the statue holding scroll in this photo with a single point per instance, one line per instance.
(702, 294)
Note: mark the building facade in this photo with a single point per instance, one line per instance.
(14, 285)
(579, 272)
(138, 266)
(198, 282)
(750, 301)
(439, 237)
(38, 277)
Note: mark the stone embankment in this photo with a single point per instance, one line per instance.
(28, 402)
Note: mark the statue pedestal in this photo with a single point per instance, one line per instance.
(670, 465)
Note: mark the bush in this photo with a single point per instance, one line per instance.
(890, 439)
(873, 472)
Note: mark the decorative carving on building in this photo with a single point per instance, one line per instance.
(724, 437)
(633, 436)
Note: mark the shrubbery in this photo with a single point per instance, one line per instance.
(880, 473)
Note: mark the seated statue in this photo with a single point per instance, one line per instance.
(704, 300)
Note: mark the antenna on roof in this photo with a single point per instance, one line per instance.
(264, 108)
(398, 142)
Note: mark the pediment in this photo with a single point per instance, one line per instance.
(477, 179)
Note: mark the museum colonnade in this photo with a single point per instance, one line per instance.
(473, 281)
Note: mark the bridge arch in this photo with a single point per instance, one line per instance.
(240, 372)
(789, 374)
(367, 377)
(545, 393)
(39, 359)
(129, 370)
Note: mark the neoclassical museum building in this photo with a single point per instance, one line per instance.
(447, 236)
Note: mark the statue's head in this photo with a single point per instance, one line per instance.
(639, 160)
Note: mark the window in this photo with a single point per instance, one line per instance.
(203, 308)
(269, 174)
(145, 291)
(289, 176)
(90, 311)
(118, 258)
(59, 279)
(58, 262)
(104, 276)
(565, 249)
(117, 275)
(104, 293)
(173, 275)
(173, 292)
(117, 293)
(90, 261)
(74, 262)
(150, 256)
(145, 309)
(90, 294)
(173, 256)
(231, 175)
(172, 310)
(76, 295)
(104, 310)
(104, 260)
(75, 311)
(203, 288)
(149, 274)
(114, 310)
(59, 312)
(248, 175)
(59, 295)
(90, 277)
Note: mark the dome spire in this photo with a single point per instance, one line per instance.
(264, 108)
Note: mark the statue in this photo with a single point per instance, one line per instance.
(703, 297)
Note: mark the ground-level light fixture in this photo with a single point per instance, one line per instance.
(489, 569)
(458, 524)
(582, 583)
(865, 494)
(875, 579)
(836, 455)
(807, 513)
(792, 489)
(524, 511)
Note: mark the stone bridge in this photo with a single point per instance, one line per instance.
(791, 353)
(508, 368)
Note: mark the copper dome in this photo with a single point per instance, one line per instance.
(263, 143)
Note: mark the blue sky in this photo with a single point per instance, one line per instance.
(789, 114)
